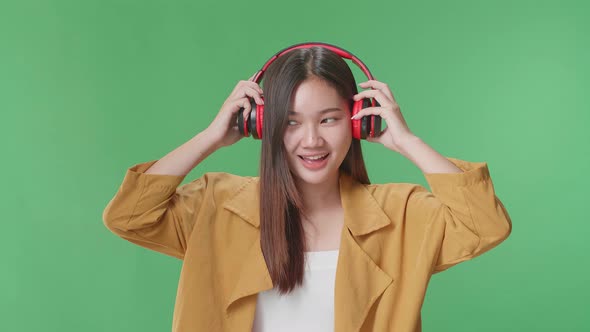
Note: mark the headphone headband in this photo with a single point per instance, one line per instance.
(340, 51)
(366, 126)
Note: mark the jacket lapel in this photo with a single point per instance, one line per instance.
(359, 280)
(253, 277)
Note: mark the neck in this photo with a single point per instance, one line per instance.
(320, 196)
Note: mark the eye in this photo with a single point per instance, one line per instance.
(291, 122)
(328, 120)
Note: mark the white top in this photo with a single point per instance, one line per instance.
(308, 308)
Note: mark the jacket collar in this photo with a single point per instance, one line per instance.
(359, 282)
(363, 213)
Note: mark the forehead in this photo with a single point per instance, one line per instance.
(313, 95)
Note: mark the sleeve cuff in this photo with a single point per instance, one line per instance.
(473, 172)
(135, 174)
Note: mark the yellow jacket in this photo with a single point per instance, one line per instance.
(396, 236)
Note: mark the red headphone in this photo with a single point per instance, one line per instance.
(367, 126)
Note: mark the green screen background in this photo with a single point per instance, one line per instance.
(90, 88)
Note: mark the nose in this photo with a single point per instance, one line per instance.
(311, 137)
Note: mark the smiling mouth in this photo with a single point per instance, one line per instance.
(315, 158)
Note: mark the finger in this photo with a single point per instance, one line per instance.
(237, 91)
(378, 139)
(381, 86)
(368, 111)
(381, 98)
(373, 93)
(248, 91)
(234, 93)
(232, 110)
(252, 85)
(255, 86)
(247, 109)
(237, 104)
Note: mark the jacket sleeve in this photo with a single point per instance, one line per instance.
(150, 210)
(463, 218)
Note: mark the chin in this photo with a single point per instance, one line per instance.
(314, 177)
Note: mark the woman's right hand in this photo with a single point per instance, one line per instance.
(224, 130)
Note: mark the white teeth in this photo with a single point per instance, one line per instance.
(316, 157)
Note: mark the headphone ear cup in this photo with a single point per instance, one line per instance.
(372, 126)
(356, 123)
(375, 130)
(242, 125)
(364, 127)
(367, 120)
(376, 126)
(259, 119)
(253, 124)
(252, 119)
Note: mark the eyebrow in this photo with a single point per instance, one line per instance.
(324, 111)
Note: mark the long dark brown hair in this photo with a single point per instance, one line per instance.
(282, 236)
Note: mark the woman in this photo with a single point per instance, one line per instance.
(309, 245)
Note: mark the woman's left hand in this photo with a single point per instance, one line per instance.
(397, 131)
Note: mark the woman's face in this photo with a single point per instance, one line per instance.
(318, 133)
